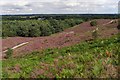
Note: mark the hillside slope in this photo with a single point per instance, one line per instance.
(71, 36)
(90, 59)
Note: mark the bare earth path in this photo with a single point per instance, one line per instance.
(17, 46)
(68, 37)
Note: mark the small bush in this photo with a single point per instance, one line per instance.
(95, 33)
(118, 25)
(9, 53)
(93, 23)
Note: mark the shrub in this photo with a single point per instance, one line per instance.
(118, 25)
(34, 32)
(93, 23)
(95, 33)
(9, 53)
(45, 31)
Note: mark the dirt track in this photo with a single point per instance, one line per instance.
(68, 37)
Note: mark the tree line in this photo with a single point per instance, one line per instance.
(35, 28)
(60, 16)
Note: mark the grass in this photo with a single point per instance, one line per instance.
(89, 59)
(9, 53)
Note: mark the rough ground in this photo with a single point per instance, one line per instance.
(68, 37)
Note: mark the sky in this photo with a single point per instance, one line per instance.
(59, 6)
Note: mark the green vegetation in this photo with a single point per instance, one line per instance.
(35, 28)
(9, 53)
(95, 33)
(118, 24)
(89, 59)
(93, 23)
(45, 24)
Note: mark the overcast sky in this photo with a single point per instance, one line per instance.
(59, 6)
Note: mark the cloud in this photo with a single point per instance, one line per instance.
(58, 6)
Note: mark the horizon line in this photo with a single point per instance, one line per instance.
(65, 14)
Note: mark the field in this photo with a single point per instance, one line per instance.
(78, 48)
